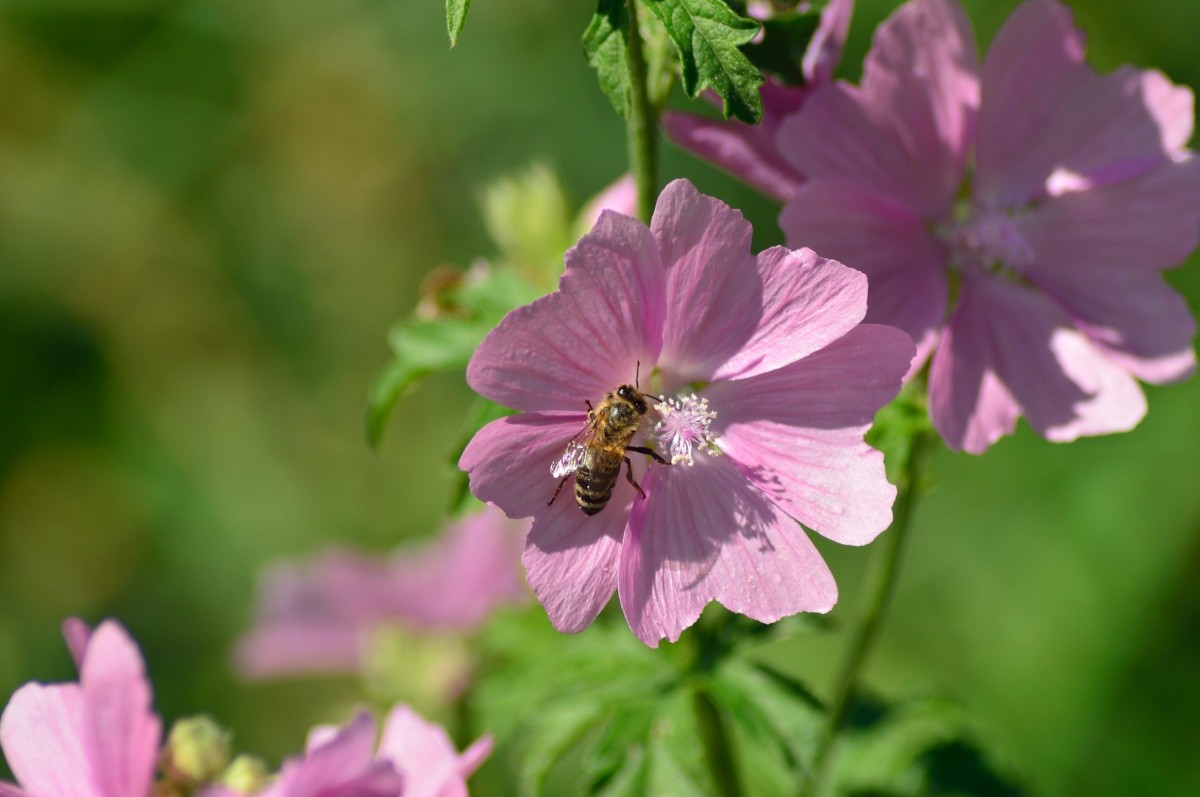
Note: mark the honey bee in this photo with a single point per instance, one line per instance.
(596, 453)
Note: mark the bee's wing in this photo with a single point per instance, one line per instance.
(572, 456)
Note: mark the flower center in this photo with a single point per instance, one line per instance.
(989, 240)
(682, 426)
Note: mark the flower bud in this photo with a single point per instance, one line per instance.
(246, 775)
(197, 750)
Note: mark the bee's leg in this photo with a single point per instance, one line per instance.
(591, 412)
(559, 490)
(629, 476)
(649, 452)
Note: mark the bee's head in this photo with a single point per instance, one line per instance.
(634, 397)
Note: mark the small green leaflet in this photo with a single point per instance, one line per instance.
(604, 46)
(707, 34)
(456, 16)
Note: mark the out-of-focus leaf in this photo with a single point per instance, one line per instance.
(456, 17)
(707, 34)
(604, 46)
(529, 218)
(918, 748)
(784, 41)
(897, 425)
(465, 310)
(775, 721)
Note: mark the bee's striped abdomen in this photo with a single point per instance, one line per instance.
(595, 480)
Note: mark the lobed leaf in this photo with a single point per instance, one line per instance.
(708, 35)
(604, 46)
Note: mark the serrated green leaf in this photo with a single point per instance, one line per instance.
(784, 42)
(604, 46)
(708, 35)
(456, 17)
(557, 731)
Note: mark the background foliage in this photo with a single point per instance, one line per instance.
(211, 212)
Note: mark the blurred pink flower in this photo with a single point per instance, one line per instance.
(750, 152)
(319, 616)
(770, 380)
(415, 758)
(619, 195)
(1080, 193)
(94, 738)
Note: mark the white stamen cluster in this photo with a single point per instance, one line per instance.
(683, 425)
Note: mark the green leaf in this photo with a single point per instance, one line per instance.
(784, 42)
(604, 46)
(467, 308)
(456, 17)
(707, 34)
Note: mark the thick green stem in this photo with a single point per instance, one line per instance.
(876, 608)
(643, 123)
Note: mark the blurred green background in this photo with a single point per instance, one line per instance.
(211, 211)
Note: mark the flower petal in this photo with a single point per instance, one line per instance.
(705, 534)
(42, 732)
(1148, 222)
(748, 152)
(424, 753)
(121, 733)
(797, 433)
(587, 337)
(905, 266)
(339, 763)
(906, 130)
(1113, 126)
(571, 558)
(508, 461)
(807, 303)
(713, 290)
(824, 51)
(1133, 316)
(76, 634)
(1009, 350)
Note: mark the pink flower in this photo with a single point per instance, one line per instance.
(750, 152)
(1078, 193)
(94, 738)
(415, 758)
(768, 381)
(320, 616)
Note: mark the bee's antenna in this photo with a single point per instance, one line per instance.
(637, 376)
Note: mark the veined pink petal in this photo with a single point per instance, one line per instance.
(906, 131)
(796, 433)
(424, 753)
(904, 264)
(8, 790)
(121, 733)
(1131, 314)
(509, 460)
(42, 731)
(571, 559)
(1149, 222)
(748, 152)
(709, 535)
(1050, 124)
(807, 303)
(587, 337)
(1007, 351)
(713, 289)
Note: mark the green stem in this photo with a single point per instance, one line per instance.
(643, 123)
(718, 747)
(876, 607)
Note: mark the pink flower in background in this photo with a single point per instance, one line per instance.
(1080, 193)
(750, 152)
(320, 616)
(95, 738)
(769, 383)
(414, 758)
